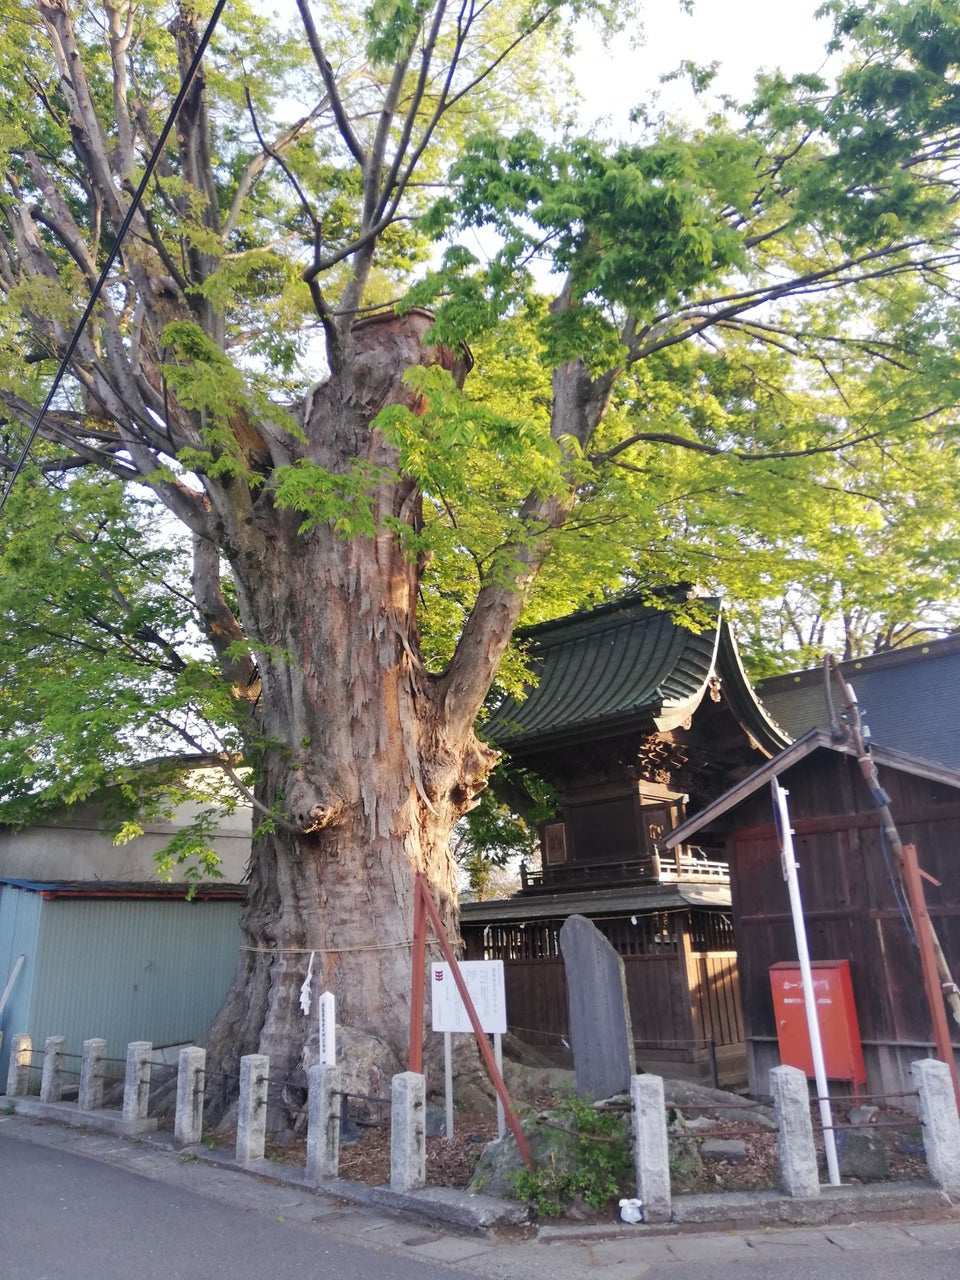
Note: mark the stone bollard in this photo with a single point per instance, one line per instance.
(252, 1107)
(136, 1081)
(188, 1125)
(798, 1155)
(90, 1097)
(51, 1082)
(651, 1150)
(408, 1131)
(941, 1125)
(18, 1072)
(323, 1123)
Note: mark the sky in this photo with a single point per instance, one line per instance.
(742, 35)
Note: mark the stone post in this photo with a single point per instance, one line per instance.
(252, 1107)
(90, 1097)
(941, 1125)
(136, 1081)
(18, 1072)
(323, 1123)
(651, 1151)
(408, 1131)
(51, 1082)
(798, 1155)
(188, 1125)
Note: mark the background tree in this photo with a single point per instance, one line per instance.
(697, 357)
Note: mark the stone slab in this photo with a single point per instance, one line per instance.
(875, 1238)
(861, 1153)
(711, 1250)
(723, 1149)
(450, 1249)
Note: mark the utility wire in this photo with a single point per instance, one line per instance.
(114, 252)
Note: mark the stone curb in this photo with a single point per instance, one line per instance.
(432, 1204)
(737, 1211)
(69, 1113)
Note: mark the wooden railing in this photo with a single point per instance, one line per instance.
(679, 865)
(693, 864)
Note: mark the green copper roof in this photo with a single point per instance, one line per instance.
(620, 664)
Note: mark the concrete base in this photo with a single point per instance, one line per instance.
(435, 1204)
(69, 1113)
(430, 1204)
(736, 1210)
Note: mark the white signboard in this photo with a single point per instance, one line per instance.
(484, 981)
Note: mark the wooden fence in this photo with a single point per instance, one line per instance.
(684, 1009)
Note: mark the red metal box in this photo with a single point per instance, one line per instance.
(836, 1014)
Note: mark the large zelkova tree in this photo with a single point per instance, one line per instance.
(736, 315)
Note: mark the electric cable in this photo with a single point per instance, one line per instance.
(896, 885)
(112, 256)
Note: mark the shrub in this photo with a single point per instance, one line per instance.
(601, 1160)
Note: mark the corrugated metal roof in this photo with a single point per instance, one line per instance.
(909, 697)
(620, 661)
(125, 889)
(557, 906)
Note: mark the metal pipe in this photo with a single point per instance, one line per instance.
(806, 975)
(928, 962)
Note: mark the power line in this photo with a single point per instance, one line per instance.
(114, 252)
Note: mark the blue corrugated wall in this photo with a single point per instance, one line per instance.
(123, 969)
(19, 930)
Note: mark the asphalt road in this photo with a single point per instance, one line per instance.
(65, 1217)
(81, 1206)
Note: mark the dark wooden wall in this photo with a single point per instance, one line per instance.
(850, 905)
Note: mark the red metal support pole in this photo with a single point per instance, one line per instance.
(928, 962)
(415, 1056)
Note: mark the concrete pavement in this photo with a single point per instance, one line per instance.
(899, 1230)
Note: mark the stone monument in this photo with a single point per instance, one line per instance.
(600, 1032)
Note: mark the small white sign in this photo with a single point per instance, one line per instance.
(484, 982)
(328, 1029)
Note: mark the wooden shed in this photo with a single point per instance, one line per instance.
(849, 890)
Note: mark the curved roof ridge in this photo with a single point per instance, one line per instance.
(625, 664)
(625, 661)
(752, 716)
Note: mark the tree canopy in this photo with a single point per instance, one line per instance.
(725, 354)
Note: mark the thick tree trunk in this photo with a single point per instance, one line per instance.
(358, 760)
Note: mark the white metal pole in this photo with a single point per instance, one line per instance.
(17, 966)
(806, 976)
(498, 1059)
(448, 1079)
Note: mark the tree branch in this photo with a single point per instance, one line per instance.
(330, 84)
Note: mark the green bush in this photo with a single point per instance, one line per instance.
(601, 1156)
